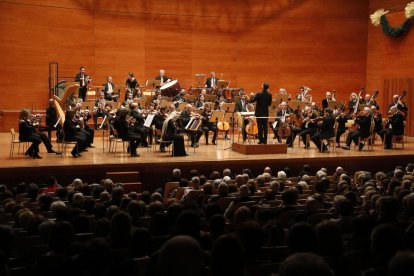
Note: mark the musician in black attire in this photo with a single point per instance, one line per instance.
(364, 122)
(170, 133)
(212, 81)
(352, 102)
(139, 127)
(83, 80)
(377, 116)
(394, 126)
(326, 130)
(27, 133)
(341, 119)
(51, 118)
(109, 90)
(163, 78)
(325, 102)
(309, 125)
(158, 121)
(132, 85)
(242, 106)
(396, 101)
(370, 100)
(126, 132)
(207, 125)
(73, 132)
(281, 116)
(186, 115)
(179, 98)
(263, 101)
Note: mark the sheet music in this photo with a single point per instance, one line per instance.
(148, 120)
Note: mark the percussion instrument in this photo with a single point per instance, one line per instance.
(170, 89)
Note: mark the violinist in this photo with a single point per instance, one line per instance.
(138, 125)
(186, 115)
(282, 120)
(394, 126)
(218, 105)
(199, 103)
(157, 95)
(132, 85)
(325, 102)
(83, 118)
(158, 121)
(242, 106)
(377, 116)
(207, 125)
(315, 108)
(326, 130)
(99, 108)
(180, 98)
(109, 90)
(309, 125)
(363, 119)
(124, 125)
(83, 80)
(128, 101)
(27, 133)
(170, 133)
(341, 119)
(73, 133)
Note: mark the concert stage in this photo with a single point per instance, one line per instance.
(155, 167)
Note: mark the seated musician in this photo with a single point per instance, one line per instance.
(158, 121)
(342, 119)
(352, 102)
(186, 115)
(83, 118)
(139, 124)
(325, 102)
(132, 85)
(326, 127)
(170, 133)
(211, 82)
(377, 116)
(109, 90)
(99, 108)
(199, 103)
(308, 126)
(207, 125)
(394, 126)
(363, 120)
(27, 133)
(163, 78)
(73, 132)
(128, 101)
(219, 102)
(370, 101)
(124, 125)
(180, 98)
(242, 106)
(51, 118)
(157, 95)
(281, 116)
(396, 101)
(315, 108)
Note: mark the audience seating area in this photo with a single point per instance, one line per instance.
(227, 223)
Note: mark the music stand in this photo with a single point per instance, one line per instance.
(334, 104)
(223, 84)
(210, 98)
(216, 116)
(298, 105)
(153, 83)
(228, 107)
(181, 106)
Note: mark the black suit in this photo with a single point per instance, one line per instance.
(240, 107)
(208, 82)
(73, 133)
(263, 101)
(83, 85)
(326, 131)
(395, 126)
(165, 78)
(106, 89)
(363, 130)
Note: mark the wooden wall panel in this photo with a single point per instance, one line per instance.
(390, 61)
(320, 43)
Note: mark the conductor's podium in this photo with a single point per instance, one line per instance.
(260, 149)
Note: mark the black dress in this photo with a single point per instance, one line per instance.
(178, 140)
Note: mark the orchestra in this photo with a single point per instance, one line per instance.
(127, 119)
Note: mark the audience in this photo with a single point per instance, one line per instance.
(321, 223)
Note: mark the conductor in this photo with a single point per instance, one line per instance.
(263, 101)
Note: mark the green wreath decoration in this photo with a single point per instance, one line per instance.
(379, 18)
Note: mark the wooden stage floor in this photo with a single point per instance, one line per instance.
(155, 168)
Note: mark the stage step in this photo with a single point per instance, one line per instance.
(259, 149)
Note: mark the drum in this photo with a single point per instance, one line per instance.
(170, 89)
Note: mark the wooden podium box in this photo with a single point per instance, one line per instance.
(260, 149)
